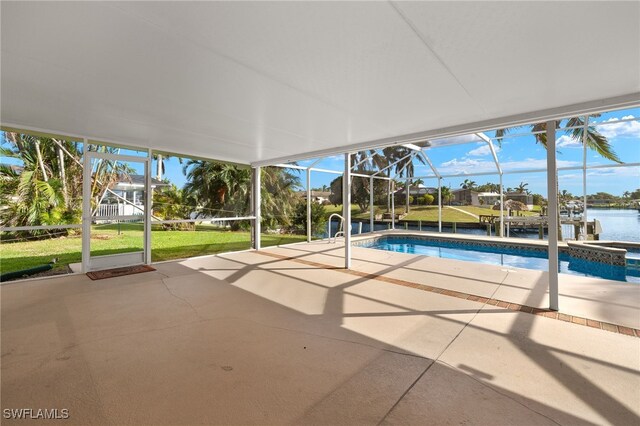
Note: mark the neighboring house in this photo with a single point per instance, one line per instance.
(126, 197)
(418, 190)
(316, 196)
(524, 198)
(469, 197)
(488, 199)
(465, 197)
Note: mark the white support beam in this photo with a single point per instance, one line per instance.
(469, 174)
(371, 207)
(210, 220)
(584, 176)
(38, 228)
(389, 195)
(393, 204)
(552, 212)
(439, 204)
(308, 205)
(312, 165)
(335, 172)
(256, 198)
(501, 207)
(499, 169)
(289, 166)
(148, 204)
(365, 159)
(86, 209)
(407, 187)
(346, 209)
(493, 154)
(428, 160)
(393, 164)
(412, 156)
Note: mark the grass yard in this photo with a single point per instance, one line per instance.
(105, 239)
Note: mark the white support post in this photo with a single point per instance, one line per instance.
(346, 209)
(148, 200)
(308, 205)
(371, 207)
(552, 212)
(255, 195)
(406, 195)
(393, 204)
(499, 170)
(501, 207)
(584, 177)
(439, 204)
(389, 195)
(86, 208)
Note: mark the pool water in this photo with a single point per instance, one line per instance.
(516, 257)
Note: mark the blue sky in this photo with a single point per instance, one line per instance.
(521, 153)
(515, 153)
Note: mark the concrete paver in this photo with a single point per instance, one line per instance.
(246, 338)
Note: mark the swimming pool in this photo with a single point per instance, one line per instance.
(520, 257)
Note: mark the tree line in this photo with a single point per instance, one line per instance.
(44, 187)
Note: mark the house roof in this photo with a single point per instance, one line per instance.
(138, 180)
(259, 81)
(324, 194)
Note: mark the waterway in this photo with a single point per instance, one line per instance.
(617, 225)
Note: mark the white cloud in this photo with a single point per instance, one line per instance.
(467, 166)
(618, 177)
(566, 141)
(612, 128)
(482, 150)
(455, 140)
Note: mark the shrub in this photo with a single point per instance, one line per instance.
(318, 217)
(427, 199)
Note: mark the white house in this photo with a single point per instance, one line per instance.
(126, 197)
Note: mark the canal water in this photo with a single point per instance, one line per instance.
(617, 225)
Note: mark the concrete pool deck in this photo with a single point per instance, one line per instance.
(252, 338)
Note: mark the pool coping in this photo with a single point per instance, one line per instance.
(604, 252)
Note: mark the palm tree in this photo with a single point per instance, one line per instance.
(445, 195)
(278, 196)
(218, 189)
(171, 203)
(468, 184)
(34, 198)
(595, 141)
(223, 190)
(379, 160)
(522, 188)
(161, 159)
(564, 196)
(402, 156)
(43, 189)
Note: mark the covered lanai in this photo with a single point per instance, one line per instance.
(317, 332)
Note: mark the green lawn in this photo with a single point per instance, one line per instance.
(165, 245)
(427, 213)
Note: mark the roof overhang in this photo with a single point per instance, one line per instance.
(268, 82)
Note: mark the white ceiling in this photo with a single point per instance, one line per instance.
(251, 81)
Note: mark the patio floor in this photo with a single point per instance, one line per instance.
(257, 338)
